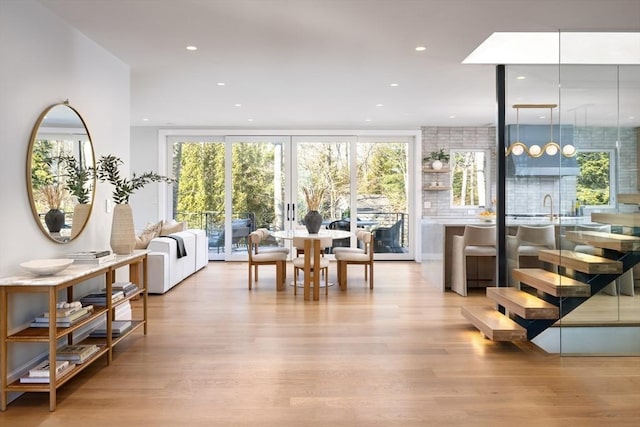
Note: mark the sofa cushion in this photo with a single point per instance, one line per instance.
(172, 226)
(150, 232)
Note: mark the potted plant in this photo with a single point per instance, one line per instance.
(313, 218)
(438, 158)
(54, 218)
(123, 237)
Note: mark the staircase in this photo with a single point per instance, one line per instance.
(518, 315)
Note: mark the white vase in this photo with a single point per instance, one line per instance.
(436, 165)
(123, 235)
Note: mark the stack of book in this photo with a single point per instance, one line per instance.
(127, 288)
(76, 353)
(118, 328)
(40, 374)
(91, 257)
(65, 317)
(100, 298)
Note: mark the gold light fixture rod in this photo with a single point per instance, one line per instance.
(535, 105)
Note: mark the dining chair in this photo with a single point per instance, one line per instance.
(256, 258)
(355, 256)
(477, 241)
(298, 262)
(528, 242)
(264, 235)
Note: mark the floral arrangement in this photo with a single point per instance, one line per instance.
(107, 170)
(313, 197)
(54, 194)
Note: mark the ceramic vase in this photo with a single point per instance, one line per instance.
(436, 165)
(80, 217)
(313, 222)
(123, 236)
(54, 220)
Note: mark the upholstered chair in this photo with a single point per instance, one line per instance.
(528, 242)
(256, 258)
(476, 241)
(355, 256)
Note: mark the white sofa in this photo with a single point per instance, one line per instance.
(165, 269)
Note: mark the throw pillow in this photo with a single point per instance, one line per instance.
(172, 226)
(149, 233)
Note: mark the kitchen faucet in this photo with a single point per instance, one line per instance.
(544, 205)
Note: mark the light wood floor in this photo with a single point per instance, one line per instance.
(400, 355)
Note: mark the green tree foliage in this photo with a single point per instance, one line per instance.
(593, 182)
(386, 173)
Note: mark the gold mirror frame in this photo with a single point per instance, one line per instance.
(61, 144)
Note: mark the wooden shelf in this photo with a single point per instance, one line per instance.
(429, 170)
(52, 286)
(437, 188)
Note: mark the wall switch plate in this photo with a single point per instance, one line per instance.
(107, 206)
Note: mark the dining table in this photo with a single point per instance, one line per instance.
(312, 254)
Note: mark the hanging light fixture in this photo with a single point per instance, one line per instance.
(551, 148)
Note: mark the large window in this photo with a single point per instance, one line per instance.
(593, 187)
(469, 174)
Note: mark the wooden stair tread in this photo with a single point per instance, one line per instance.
(493, 324)
(523, 304)
(590, 264)
(624, 219)
(598, 239)
(552, 283)
(632, 199)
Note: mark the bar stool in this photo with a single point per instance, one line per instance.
(528, 242)
(477, 241)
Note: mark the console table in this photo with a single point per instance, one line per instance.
(52, 285)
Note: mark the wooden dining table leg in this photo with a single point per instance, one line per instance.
(316, 269)
(307, 269)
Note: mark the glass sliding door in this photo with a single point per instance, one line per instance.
(198, 165)
(322, 167)
(231, 185)
(382, 195)
(257, 195)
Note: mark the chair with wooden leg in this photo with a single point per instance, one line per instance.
(264, 236)
(345, 258)
(279, 259)
(299, 262)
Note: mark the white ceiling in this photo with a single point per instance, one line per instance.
(320, 64)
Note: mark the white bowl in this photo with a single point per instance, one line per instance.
(46, 267)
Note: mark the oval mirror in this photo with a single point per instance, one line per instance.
(59, 179)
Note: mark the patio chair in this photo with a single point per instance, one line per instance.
(387, 239)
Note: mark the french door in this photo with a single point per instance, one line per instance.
(232, 185)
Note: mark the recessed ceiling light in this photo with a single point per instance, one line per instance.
(237, 105)
(521, 77)
(249, 120)
(632, 117)
(220, 83)
(421, 48)
(394, 85)
(191, 48)
(452, 117)
(379, 105)
(541, 117)
(367, 120)
(145, 120)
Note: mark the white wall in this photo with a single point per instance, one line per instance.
(45, 61)
(144, 158)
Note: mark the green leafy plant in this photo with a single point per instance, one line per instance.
(438, 155)
(107, 169)
(77, 178)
